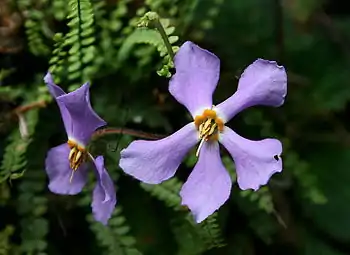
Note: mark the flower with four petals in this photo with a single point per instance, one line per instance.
(67, 164)
(209, 184)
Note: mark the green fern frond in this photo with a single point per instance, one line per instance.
(109, 25)
(146, 35)
(205, 235)
(34, 227)
(58, 57)
(34, 27)
(59, 9)
(168, 192)
(307, 181)
(32, 196)
(80, 40)
(14, 158)
(212, 236)
(116, 237)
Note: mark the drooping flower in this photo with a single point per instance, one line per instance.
(209, 184)
(67, 164)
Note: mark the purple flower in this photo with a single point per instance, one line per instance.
(209, 184)
(67, 164)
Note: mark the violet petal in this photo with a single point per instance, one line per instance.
(104, 197)
(196, 77)
(54, 90)
(82, 118)
(156, 161)
(59, 172)
(209, 184)
(255, 161)
(262, 83)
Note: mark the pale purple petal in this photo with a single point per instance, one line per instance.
(256, 161)
(104, 197)
(262, 83)
(54, 90)
(208, 186)
(156, 161)
(59, 172)
(196, 77)
(79, 114)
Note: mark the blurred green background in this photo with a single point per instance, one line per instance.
(303, 210)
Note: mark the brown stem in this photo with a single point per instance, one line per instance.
(126, 131)
(27, 107)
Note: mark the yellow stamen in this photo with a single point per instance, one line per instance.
(77, 156)
(71, 153)
(209, 125)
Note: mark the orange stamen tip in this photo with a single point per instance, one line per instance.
(71, 144)
(80, 148)
(209, 114)
(198, 120)
(220, 124)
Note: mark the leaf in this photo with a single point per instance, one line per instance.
(331, 166)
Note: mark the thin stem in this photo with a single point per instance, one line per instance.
(27, 107)
(126, 131)
(160, 28)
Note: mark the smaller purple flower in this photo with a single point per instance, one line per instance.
(67, 164)
(209, 185)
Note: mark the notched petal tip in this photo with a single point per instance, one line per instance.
(266, 80)
(281, 71)
(263, 82)
(255, 161)
(188, 45)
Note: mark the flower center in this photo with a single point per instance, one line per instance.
(77, 156)
(209, 126)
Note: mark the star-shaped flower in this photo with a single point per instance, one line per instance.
(209, 184)
(67, 164)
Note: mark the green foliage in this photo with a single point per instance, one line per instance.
(14, 158)
(334, 182)
(80, 39)
(57, 60)
(199, 237)
(34, 227)
(5, 244)
(161, 38)
(206, 23)
(120, 45)
(35, 26)
(116, 237)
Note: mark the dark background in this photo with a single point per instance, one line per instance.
(303, 210)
